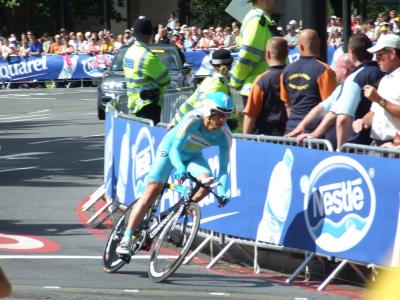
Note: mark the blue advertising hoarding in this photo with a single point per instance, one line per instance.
(48, 67)
(330, 203)
(77, 66)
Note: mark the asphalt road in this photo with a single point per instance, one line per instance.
(51, 158)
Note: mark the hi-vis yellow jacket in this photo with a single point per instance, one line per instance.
(256, 30)
(214, 83)
(143, 71)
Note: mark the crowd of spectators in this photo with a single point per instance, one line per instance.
(192, 37)
(183, 36)
(64, 42)
(364, 108)
(385, 23)
(196, 38)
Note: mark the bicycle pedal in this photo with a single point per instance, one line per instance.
(146, 246)
(124, 257)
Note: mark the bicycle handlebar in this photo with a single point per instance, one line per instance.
(209, 185)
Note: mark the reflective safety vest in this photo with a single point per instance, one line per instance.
(143, 71)
(215, 83)
(256, 30)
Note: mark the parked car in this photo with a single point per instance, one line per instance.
(113, 83)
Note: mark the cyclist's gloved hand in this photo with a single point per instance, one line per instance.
(181, 174)
(224, 197)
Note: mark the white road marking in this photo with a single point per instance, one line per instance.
(50, 141)
(131, 291)
(43, 98)
(23, 155)
(50, 257)
(20, 242)
(66, 139)
(74, 256)
(51, 287)
(87, 114)
(93, 135)
(25, 116)
(24, 120)
(39, 111)
(86, 99)
(18, 169)
(93, 159)
(219, 294)
(22, 95)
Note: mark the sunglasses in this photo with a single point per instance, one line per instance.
(219, 115)
(380, 53)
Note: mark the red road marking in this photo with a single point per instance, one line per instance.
(310, 286)
(7, 240)
(14, 242)
(83, 217)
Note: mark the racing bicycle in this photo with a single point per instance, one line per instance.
(169, 234)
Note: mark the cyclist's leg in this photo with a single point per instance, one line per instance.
(200, 169)
(156, 179)
(143, 204)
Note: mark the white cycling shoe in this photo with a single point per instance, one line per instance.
(124, 247)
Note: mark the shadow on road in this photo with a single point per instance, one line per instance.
(68, 162)
(16, 226)
(182, 277)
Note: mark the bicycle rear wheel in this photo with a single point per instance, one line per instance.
(173, 243)
(111, 261)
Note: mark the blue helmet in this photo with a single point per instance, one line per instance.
(217, 101)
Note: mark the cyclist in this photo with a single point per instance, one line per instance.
(221, 60)
(181, 148)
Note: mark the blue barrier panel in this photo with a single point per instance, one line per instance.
(342, 205)
(77, 66)
(48, 67)
(200, 61)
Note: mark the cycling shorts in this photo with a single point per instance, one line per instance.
(162, 167)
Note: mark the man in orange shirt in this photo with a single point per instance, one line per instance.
(265, 112)
(307, 81)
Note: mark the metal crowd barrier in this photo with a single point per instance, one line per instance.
(172, 101)
(173, 98)
(318, 144)
(370, 150)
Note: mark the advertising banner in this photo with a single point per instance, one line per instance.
(48, 67)
(200, 59)
(342, 205)
(77, 66)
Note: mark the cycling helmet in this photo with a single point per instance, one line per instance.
(217, 101)
(221, 57)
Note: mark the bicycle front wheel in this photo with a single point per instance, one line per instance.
(111, 261)
(173, 243)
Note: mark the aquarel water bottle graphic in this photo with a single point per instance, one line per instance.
(277, 203)
(70, 63)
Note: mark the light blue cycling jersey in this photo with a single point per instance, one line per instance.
(182, 148)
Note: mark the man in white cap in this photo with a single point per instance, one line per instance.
(384, 116)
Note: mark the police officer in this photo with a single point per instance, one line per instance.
(145, 74)
(221, 60)
(257, 29)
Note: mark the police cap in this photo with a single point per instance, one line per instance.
(221, 57)
(143, 27)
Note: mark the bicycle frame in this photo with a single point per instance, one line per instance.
(166, 216)
(186, 198)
